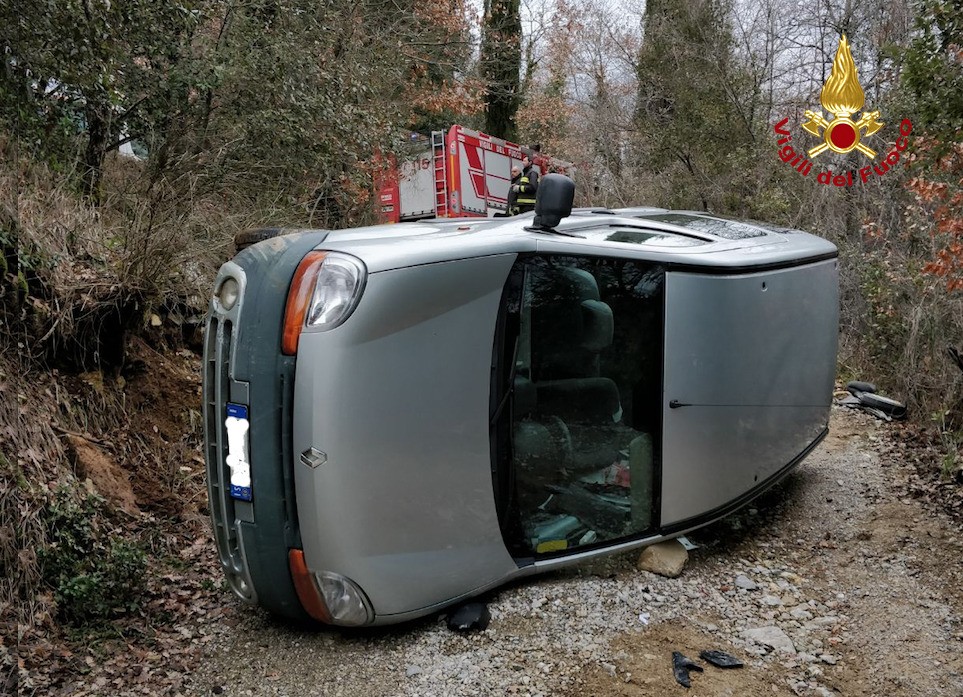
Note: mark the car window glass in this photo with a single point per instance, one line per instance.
(652, 238)
(586, 401)
(641, 236)
(717, 227)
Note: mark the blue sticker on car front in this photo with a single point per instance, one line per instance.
(238, 411)
(238, 459)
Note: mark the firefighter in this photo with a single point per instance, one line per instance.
(511, 208)
(526, 187)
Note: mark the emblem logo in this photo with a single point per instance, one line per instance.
(842, 97)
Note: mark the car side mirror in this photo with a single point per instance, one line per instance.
(553, 200)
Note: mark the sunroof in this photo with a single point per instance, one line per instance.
(652, 238)
(726, 229)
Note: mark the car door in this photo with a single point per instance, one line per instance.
(578, 442)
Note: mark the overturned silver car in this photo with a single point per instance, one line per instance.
(404, 416)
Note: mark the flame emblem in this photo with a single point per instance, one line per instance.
(842, 96)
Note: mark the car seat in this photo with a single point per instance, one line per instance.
(571, 326)
(542, 446)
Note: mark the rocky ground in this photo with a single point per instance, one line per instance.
(844, 580)
(840, 581)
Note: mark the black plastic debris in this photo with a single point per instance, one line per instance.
(681, 667)
(469, 617)
(854, 386)
(720, 659)
(862, 395)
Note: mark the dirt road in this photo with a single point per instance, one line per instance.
(836, 582)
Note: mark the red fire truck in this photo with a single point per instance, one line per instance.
(461, 173)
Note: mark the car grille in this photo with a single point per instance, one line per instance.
(219, 345)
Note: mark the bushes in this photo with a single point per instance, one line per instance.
(94, 276)
(94, 574)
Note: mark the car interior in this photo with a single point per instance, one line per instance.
(585, 397)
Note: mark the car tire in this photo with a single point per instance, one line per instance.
(246, 238)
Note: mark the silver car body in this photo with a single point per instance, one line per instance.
(396, 403)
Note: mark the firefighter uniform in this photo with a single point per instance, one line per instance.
(527, 186)
(512, 207)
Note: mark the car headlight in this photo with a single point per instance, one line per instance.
(336, 291)
(323, 294)
(329, 597)
(228, 293)
(345, 601)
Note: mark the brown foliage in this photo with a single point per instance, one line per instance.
(938, 193)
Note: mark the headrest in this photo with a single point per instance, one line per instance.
(598, 326)
(581, 283)
(571, 325)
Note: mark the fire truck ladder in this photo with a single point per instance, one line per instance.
(439, 159)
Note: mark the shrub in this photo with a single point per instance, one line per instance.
(95, 575)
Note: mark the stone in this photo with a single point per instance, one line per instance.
(828, 659)
(800, 614)
(745, 583)
(665, 559)
(771, 601)
(412, 671)
(822, 622)
(772, 637)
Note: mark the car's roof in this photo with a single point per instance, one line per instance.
(682, 238)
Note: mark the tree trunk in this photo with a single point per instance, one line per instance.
(97, 137)
(501, 63)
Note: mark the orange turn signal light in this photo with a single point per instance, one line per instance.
(304, 585)
(299, 298)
